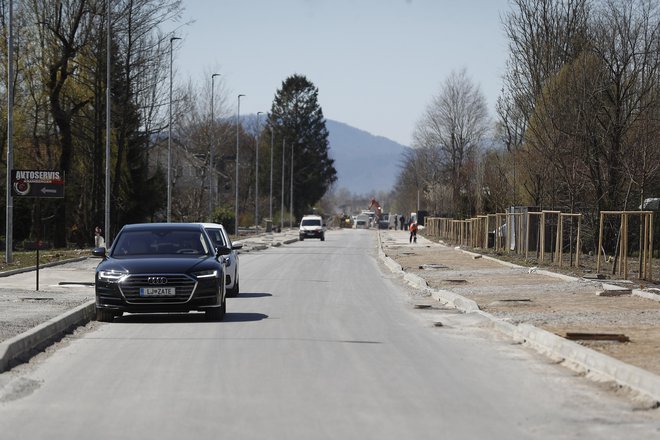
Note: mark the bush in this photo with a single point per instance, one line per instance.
(225, 216)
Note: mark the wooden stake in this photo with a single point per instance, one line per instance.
(600, 242)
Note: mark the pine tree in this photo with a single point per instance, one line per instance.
(298, 119)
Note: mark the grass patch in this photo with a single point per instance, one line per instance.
(24, 259)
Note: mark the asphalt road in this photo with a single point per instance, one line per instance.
(322, 343)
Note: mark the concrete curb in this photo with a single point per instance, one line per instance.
(416, 281)
(457, 301)
(393, 265)
(249, 246)
(517, 266)
(645, 294)
(561, 276)
(596, 366)
(636, 292)
(13, 350)
(41, 266)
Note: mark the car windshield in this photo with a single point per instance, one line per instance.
(311, 222)
(216, 236)
(160, 242)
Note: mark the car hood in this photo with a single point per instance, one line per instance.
(159, 265)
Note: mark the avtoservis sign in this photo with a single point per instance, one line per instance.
(37, 183)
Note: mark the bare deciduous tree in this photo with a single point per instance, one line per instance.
(451, 131)
(543, 36)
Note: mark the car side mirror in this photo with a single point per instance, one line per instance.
(99, 252)
(237, 246)
(222, 250)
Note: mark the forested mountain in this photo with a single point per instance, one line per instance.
(365, 163)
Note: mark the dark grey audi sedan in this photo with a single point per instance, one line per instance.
(160, 268)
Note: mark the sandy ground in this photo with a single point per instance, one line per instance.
(521, 295)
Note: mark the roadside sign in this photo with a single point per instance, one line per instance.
(37, 183)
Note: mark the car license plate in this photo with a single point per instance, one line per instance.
(157, 291)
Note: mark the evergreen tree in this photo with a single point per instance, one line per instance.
(297, 118)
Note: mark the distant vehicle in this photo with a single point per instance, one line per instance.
(311, 226)
(384, 221)
(218, 235)
(394, 220)
(362, 221)
(161, 268)
(345, 221)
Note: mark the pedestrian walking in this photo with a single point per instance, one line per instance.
(98, 238)
(413, 232)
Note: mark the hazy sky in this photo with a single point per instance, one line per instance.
(377, 63)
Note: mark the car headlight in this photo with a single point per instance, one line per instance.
(205, 274)
(111, 276)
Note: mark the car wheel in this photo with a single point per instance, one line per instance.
(103, 315)
(302, 237)
(216, 313)
(233, 292)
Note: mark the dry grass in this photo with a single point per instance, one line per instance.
(22, 259)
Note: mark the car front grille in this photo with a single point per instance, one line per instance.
(184, 285)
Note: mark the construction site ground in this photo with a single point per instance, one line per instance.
(558, 304)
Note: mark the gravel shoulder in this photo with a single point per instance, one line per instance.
(61, 288)
(519, 295)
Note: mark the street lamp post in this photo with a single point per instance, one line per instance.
(238, 122)
(256, 179)
(212, 180)
(291, 200)
(282, 193)
(10, 137)
(169, 144)
(108, 115)
(270, 211)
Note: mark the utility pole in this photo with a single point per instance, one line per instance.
(10, 137)
(212, 179)
(291, 201)
(108, 134)
(238, 124)
(282, 194)
(256, 178)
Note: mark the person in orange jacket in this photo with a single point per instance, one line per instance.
(413, 232)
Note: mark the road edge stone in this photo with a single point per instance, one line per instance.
(20, 346)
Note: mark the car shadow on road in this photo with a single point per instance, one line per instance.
(184, 318)
(252, 295)
(244, 317)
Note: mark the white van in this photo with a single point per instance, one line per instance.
(311, 226)
(362, 221)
